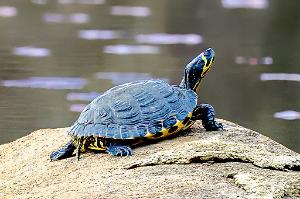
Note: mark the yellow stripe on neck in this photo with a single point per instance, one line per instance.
(206, 67)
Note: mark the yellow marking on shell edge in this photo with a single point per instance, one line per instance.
(96, 148)
(165, 132)
(187, 125)
(94, 145)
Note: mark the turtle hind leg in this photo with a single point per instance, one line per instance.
(65, 151)
(78, 148)
(119, 150)
(206, 113)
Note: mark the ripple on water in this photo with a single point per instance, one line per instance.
(84, 2)
(67, 2)
(77, 107)
(252, 4)
(254, 60)
(123, 49)
(8, 11)
(76, 18)
(165, 38)
(47, 83)
(40, 2)
(280, 77)
(121, 78)
(82, 96)
(135, 11)
(99, 34)
(31, 51)
(287, 115)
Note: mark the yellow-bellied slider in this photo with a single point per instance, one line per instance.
(131, 113)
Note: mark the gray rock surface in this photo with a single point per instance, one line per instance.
(234, 163)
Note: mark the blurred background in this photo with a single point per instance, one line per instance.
(58, 55)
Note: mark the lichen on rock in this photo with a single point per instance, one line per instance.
(234, 163)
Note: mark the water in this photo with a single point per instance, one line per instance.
(55, 56)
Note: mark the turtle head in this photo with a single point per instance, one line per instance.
(195, 71)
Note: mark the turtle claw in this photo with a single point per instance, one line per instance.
(213, 126)
(206, 113)
(119, 150)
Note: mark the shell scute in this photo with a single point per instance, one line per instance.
(181, 114)
(131, 110)
(113, 131)
(125, 132)
(100, 130)
(141, 130)
(169, 121)
(121, 105)
(155, 126)
(147, 101)
(88, 130)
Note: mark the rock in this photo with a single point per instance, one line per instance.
(234, 163)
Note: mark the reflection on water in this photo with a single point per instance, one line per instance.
(76, 18)
(56, 56)
(82, 96)
(47, 82)
(122, 78)
(8, 11)
(136, 11)
(85, 2)
(123, 49)
(155, 38)
(279, 77)
(54, 18)
(164, 38)
(254, 60)
(287, 115)
(77, 107)
(68, 2)
(99, 34)
(31, 51)
(41, 2)
(253, 4)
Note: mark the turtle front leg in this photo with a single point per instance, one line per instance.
(206, 113)
(119, 150)
(65, 151)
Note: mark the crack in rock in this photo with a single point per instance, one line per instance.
(219, 151)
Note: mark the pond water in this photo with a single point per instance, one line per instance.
(57, 55)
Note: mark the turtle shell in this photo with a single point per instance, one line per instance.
(135, 110)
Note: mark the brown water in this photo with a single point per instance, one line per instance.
(57, 55)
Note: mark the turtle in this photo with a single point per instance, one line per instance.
(140, 111)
